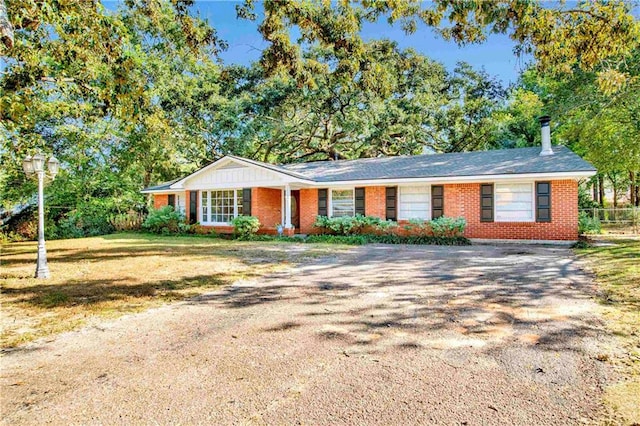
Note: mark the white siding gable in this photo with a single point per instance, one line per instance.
(233, 175)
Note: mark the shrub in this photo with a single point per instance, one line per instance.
(448, 226)
(130, 221)
(164, 220)
(588, 224)
(245, 226)
(351, 225)
(198, 229)
(356, 240)
(387, 239)
(419, 227)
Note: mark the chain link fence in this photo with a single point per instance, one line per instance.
(627, 218)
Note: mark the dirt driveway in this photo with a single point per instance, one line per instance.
(381, 335)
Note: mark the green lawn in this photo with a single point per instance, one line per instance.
(617, 269)
(93, 278)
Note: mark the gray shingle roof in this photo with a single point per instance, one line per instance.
(477, 163)
(161, 186)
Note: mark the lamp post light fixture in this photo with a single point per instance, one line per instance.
(36, 165)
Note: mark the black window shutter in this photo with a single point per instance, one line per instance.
(172, 200)
(543, 201)
(486, 202)
(359, 196)
(392, 202)
(323, 202)
(437, 201)
(246, 201)
(193, 207)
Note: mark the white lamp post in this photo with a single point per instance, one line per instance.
(36, 165)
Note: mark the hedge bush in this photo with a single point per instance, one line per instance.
(165, 220)
(588, 224)
(388, 239)
(245, 226)
(352, 225)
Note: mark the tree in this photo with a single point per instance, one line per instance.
(6, 29)
(98, 88)
(603, 127)
(592, 33)
(412, 104)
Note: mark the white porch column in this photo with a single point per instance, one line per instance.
(287, 207)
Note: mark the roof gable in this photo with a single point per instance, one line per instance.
(231, 171)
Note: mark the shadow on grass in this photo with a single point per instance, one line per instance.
(91, 292)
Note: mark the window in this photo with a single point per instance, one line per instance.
(514, 202)
(342, 202)
(180, 206)
(220, 206)
(415, 202)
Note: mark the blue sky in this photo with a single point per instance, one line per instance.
(245, 43)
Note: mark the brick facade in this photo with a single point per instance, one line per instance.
(375, 201)
(160, 200)
(463, 200)
(460, 200)
(308, 210)
(266, 205)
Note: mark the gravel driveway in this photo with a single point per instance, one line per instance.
(475, 335)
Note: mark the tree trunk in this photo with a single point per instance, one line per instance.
(601, 190)
(6, 29)
(614, 186)
(637, 191)
(595, 191)
(632, 188)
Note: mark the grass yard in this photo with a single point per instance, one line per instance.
(617, 269)
(94, 278)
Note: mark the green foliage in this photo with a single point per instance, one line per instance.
(129, 221)
(416, 105)
(387, 239)
(448, 226)
(121, 97)
(351, 225)
(440, 227)
(165, 220)
(353, 240)
(591, 32)
(245, 226)
(585, 200)
(588, 224)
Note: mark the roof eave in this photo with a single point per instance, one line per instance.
(581, 174)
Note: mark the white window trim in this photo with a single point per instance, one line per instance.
(428, 186)
(533, 201)
(209, 191)
(330, 196)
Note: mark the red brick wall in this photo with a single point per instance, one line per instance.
(160, 200)
(308, 210)
(187, 205)
(459, 200)
(266, 205)
(375, 201)
(463, 200)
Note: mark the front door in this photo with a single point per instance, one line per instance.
(295, 211)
